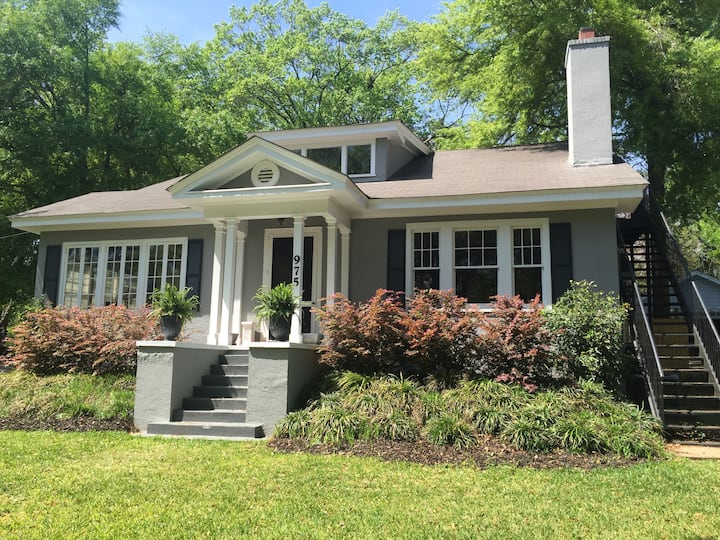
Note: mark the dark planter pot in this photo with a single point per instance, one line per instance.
(170, 326)
(280, 329)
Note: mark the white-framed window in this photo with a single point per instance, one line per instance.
(127, 273)
(480, 259)
(356, 160)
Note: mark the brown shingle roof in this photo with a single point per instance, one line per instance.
(153, 197)
(498, 170)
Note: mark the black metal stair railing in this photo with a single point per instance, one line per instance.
(642, 334)
(694, 309)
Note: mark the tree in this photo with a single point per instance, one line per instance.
(290, 66)
(505, 59)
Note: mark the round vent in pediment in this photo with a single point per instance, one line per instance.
(265, 174)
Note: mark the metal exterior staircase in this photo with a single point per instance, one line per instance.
(676, 341)
(218, 405)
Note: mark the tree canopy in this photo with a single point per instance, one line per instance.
(504, 61)
(78, 113)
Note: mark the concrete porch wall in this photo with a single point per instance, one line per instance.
(167, 371)
(278, 373)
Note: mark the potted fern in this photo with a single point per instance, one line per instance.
(277, 306)
(173, 307)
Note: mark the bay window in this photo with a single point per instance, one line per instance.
(123, 273)
(480, 259)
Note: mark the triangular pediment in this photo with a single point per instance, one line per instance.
(259, 166)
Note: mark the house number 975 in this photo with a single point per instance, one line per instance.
(296, 270)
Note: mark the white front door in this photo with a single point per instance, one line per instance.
(278, 265)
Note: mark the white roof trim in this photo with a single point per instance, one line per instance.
(394, 130)
(622, 199)
(156, 218)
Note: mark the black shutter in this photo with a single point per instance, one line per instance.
(193, 273)
(396, 260)
(51, 276)
(561, 258)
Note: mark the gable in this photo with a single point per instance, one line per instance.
(258, 166)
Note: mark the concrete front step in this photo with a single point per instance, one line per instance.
(239, 359)
(220, 391)
(689, 417)
(216, 415)
(224, 369)
(689, 388)
(225, 380)
(207, 429)
(698, 403)
(209, 404)
(686, 375)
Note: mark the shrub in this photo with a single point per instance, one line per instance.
(451, 430)
(514, 344)
(96, 340)
(587, 330)
(366, 338)
(435, 337)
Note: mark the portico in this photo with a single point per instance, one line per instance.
(299, 208)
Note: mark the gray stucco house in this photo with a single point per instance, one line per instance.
(352, 209)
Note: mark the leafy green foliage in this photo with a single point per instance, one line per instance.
(587, 330)
(501, 65)
(287, 65)
(172, 301)
(582, 419)
(277, 303)
(96, 340)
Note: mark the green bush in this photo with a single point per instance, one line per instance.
(587, 331)
(583, 418)
(96, 340)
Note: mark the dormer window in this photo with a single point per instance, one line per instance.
(353, 160)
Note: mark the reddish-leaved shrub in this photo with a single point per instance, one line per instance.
(95, 340)
(439, 336)
(515, 344)
(435, 336)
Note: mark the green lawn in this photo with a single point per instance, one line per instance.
(114, 485)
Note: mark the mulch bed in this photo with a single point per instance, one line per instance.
(489, 452)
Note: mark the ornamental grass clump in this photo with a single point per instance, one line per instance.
(580, 419)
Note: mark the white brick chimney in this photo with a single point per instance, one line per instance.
(587, 67)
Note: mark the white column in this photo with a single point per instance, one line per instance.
(344, 260)
(237, 315)
(297, 275)
(331, 257)
(217, 271)
(228, 286)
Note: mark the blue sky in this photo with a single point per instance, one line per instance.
(194, 20)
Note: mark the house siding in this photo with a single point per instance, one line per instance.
(594, 247)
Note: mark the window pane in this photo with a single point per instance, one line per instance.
(155, 266)
(130, 276)
(329, 157)
(461, 239)
(490, 238)
(112, 274)
(476, 285)
(427, 279)
(89, 276)
(528, 283)
(72, 277)
(461, 257)
(476, 238)
(491, 257)
(358, 159)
